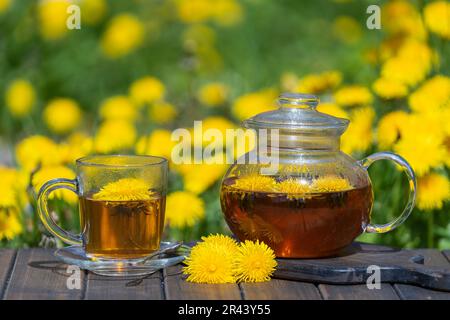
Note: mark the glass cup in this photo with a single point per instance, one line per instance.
(122, 203)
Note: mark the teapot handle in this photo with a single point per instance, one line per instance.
(366, 162)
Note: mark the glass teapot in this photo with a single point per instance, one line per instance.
(311, 200)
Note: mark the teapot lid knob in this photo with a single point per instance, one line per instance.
(298, 100)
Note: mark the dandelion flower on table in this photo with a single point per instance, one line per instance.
(118, 108)
(210, 262)
(433, 190)
(20, 98)
(62, 115)
(226, 242)
(213, 94)
(162, 112)
(184, 209)
(390, 128)
(115, 135)
(146, 90)
(437, 16)
(353, 95)
(37, 150)
(125, 189)
(124, 34)
(389, 89)
(52, 17)
(255, 262)
(47, 173)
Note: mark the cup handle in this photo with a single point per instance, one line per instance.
(44, 214)
(366, 162)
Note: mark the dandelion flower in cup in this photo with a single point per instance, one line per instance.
(330, 184)
(184, 209)
(20, 97)
(255, 262)
(255, 182)
(126, 189)
(210, 262)
(62, 115)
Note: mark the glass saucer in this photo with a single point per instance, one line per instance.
(169, 254)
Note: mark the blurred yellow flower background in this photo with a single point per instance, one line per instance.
(137, 70)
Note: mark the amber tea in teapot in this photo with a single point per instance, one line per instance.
(318, 200)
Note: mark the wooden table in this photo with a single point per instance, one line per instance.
(36, 274)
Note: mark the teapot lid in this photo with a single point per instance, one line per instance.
(297, 112)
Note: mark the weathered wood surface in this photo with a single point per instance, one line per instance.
(36, 274)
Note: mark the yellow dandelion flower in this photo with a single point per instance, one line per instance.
(432, 95)
(229, 244)
(124, 34)
(37, 150)
(332, 109)
(213, 94)
(199, 177)
(4, 5)
(62, 115)
(250, 104)
(293, 186)
(13, 188)
(352, 96)
(77, 145)
(126, 189)
(401, 18)
(227, 12)
(390, 128)
(433, 190)
(330, 184)
(184, 209)
(289, 82)
(347, 29)
(147, 90)
(158, 143)
(10, 225)
(210, 263)
(93, 11)
(52, 172)
(118, 108)
(194, 11)
(52, 15)
(358, 137)
(413, 56)
(198, 36)
(211, 124)
(115, 135)
(318, 83)
(255, 262)
(437, 18)
(162, 112)
(389, 89)
(20, 98)
(256, 182)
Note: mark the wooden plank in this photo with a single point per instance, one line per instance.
(280, 289)
(177, 288)
(7, 260)
(357, 292)
(447, 254)
(38, 275)
(105, 288)
(431, 257)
